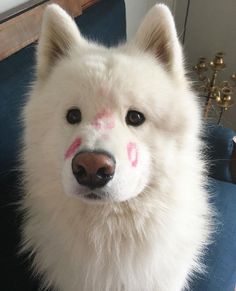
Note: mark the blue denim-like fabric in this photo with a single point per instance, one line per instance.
(219, 148)
(220, 257)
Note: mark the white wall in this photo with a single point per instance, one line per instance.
(8, 4)
(136, 10)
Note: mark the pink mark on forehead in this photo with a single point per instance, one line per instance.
(103, 90)
(104, 120)
(73, 147)
(132, 153)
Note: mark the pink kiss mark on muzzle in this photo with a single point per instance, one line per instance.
(132, 154)
(73, 147)
(104, 120)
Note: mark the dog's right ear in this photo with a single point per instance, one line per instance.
(157, 35)
(59, 34)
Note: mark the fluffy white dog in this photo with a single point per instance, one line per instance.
(113, 177)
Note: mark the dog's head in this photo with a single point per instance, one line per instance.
(106, 122)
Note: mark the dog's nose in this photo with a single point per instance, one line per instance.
(93, 169)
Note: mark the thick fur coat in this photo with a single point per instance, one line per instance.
(151, 223)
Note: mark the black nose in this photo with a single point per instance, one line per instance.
(93, 169)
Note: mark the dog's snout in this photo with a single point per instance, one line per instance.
(93, 169)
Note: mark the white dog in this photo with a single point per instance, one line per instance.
(113, 177)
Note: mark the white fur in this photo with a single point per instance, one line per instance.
(150, 232)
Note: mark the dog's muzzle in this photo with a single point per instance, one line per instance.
(93, 169)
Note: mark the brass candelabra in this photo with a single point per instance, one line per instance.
(219, 92)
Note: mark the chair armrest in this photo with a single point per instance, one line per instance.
(220, 150)
(233, 161)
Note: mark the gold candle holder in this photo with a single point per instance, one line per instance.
(221, 93)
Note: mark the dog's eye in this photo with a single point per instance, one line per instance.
(73, 115)
(134, 118)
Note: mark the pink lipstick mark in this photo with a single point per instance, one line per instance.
(73, 147)
(103, 91)
(132, 154)
(104, 120)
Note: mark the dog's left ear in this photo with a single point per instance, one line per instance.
(59, 34)
(157, 34)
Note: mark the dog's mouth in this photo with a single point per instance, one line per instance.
(93, 196)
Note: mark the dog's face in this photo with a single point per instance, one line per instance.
(105, 148)
(102, 115)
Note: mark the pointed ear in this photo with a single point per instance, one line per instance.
(157, 34)
(59, 34)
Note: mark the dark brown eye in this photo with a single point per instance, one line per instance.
(73, 116)
(134, 118)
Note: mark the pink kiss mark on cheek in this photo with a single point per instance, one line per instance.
(132, 154)
(104, 119)
(73, 147)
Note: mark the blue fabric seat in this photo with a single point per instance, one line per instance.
(219, 148)
(221, 256)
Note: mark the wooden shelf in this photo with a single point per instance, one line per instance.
(24, 28)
